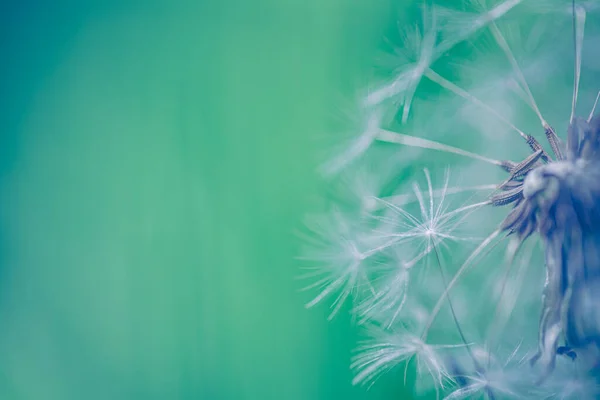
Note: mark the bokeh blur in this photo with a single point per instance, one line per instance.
(156, 159)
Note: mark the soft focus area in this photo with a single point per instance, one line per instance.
(156, 161)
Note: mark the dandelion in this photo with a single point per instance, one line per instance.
(489, 289)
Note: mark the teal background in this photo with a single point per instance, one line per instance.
(155, 161)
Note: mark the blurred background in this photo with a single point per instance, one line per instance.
(156, 160)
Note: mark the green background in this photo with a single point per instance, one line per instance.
(155, 162)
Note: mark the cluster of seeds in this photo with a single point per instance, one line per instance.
(490, 289)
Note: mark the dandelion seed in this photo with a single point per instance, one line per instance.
(529, 99)
(413, 141)
(389, 298)
(337, 251)
(421, 44)
(459, 26)
(469, 97)
(358, 189)
(421, 234)
(357, 146)
(433, 227)
(388, 350)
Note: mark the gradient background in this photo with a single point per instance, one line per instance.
(155, 160)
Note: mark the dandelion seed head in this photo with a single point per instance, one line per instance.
(485, 290)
